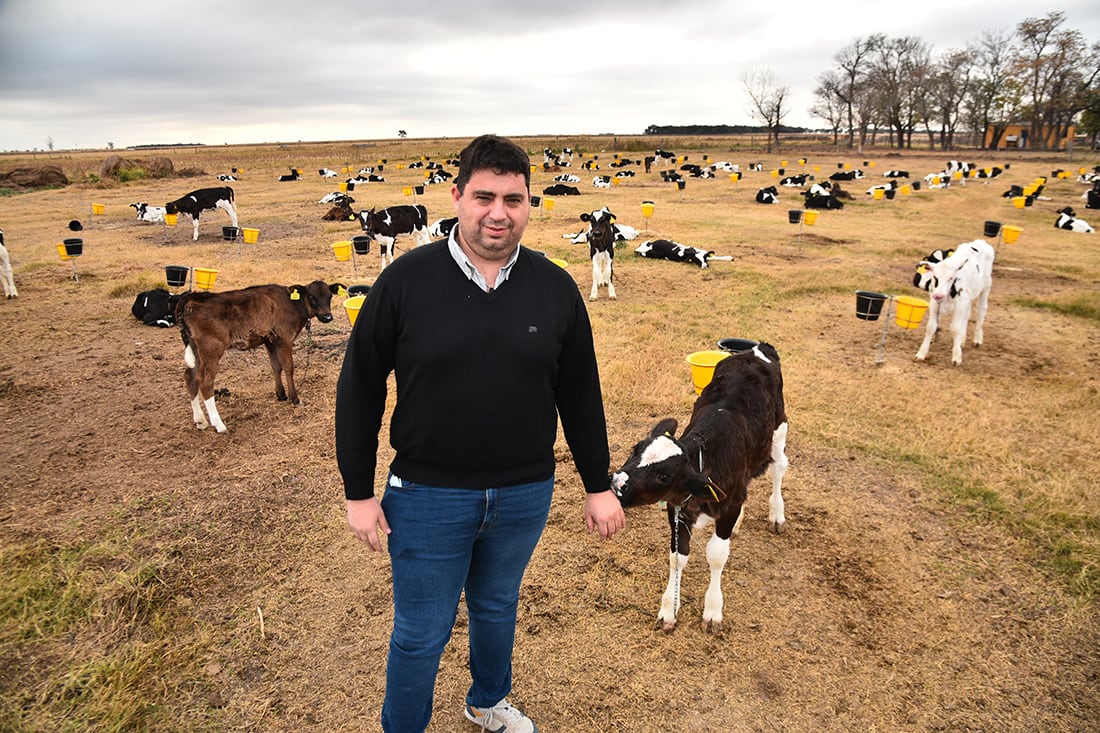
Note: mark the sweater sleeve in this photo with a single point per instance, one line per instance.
(361, 393)
(580, 403)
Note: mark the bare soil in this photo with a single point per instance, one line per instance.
(895, 601)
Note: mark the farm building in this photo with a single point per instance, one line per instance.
(1017, 135)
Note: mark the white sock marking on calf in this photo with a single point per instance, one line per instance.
(718, 552)
(776, 470)
(215, 418)
(189, 357)
(196, 414)
(670, 601)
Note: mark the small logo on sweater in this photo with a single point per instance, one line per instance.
(532, 329)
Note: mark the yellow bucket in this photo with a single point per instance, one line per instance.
(250, 235)
(702, 367)
(1010, 233)
(910, 311)
(63, 252)
(170, 219)
(205, 277)
(648, 208)
(97, 208)
(352, 306)
(344, 185)
(878, 194)
(906, 189)
(342, 250)
(809, 218)
(1019, 201)
(407, 190)
(775, 174)
(548, 204)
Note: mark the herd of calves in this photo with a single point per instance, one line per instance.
(738, 426)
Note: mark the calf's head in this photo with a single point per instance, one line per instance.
(601, 234)
(316, 298)
(659, 469)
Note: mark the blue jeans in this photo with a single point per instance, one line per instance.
(444, 541)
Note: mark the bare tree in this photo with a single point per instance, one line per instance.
(994, 97)
(950, 85)
(1050, 59)
(852, 89)
(899, 72)
(768, 100)
(829, 102)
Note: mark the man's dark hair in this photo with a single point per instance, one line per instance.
(491, 152)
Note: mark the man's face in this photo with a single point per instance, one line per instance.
(492, 213)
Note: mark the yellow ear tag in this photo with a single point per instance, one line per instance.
(712, 491)
(295, 295)
(342, 292)
(922, 269)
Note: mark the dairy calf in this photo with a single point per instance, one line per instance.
(957, 283)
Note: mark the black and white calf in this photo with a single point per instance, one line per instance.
(327, 173)
(602, 181)
(601, 247)
(896, 174)
(737, 431)
(145, 212)
(204, 199)
(568, 178)
(387, 225)
(1067, 219)
(560, 189)
(767, 195)
(666, 249)
(957, 283)
(795, 181)
(442, 227)
(5, 271)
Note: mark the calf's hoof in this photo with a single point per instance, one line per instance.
(779, 527)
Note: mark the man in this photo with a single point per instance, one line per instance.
(490, 344)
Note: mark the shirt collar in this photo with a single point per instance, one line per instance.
(472, 272)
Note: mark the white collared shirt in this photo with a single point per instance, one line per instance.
(472, 272)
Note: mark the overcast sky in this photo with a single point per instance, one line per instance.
(84, 73)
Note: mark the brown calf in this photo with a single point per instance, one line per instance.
(738, 430)
(272, 315)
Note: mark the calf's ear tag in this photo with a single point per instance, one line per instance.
(295, 295)
(342, 291)
(922, 269)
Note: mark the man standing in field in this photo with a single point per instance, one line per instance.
(490, 344)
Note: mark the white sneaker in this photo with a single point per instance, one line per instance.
(501, 718)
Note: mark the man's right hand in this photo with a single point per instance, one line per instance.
(368, 521)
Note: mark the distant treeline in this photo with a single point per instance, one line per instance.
(716, 130)
(166, 145)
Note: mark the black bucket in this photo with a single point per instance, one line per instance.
(734, 345)
(916, 185)
(794, 216)
(992, 228)
(869, 304)
(74, 247)
(419, 190)
(536, 201)
(230, 233)
(176, 275)
(680, 185)
(891, 192)
(361, 244)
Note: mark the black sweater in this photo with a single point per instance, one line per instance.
(481, 377)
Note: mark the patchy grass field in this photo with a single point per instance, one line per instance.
(942, 561)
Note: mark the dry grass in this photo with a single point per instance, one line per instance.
(943, 558)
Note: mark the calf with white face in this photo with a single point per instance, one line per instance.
(738, 430)
(601, 247)
(957, 283)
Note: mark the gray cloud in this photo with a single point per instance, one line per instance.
(86, 73)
